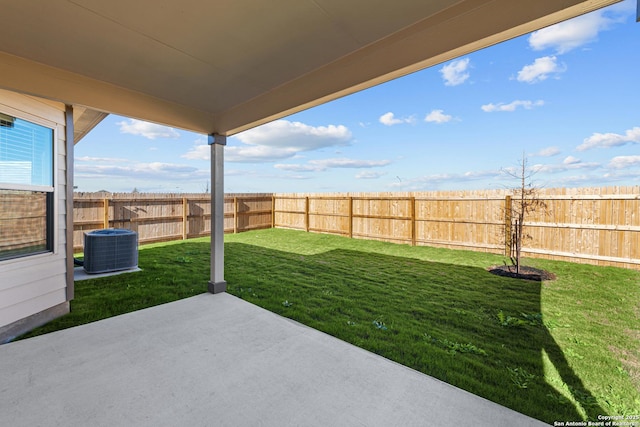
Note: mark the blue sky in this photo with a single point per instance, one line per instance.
(567, 96)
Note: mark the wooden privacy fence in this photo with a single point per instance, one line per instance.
(163, 217)
(590, 225)
(415, 220)
(452, 221)
(23, 222)
(593, 225)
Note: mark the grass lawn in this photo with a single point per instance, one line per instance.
(565, 350)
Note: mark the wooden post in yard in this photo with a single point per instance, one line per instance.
(412, 207)
(273, 211)
(507, 226)
(350, 217)
(105, 218)
(306, 214)
(185, 218)
(235, 215)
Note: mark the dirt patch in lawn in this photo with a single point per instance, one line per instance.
(527, 273)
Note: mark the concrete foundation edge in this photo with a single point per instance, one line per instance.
(13, 330)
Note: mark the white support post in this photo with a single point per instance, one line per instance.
(217, 283)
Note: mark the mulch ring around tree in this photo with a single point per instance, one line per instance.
(527, 273)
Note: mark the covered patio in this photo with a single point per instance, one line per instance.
(216, 67)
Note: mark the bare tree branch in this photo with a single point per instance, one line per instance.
(525, 200)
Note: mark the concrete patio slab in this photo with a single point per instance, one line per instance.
(216, 360)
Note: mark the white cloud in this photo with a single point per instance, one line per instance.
(350, 163)
(582, 180)
(258, 153)
(579, 31)
(258, 175)
(624, 162)
(296, 167)
(632, 174)
(324, 164)
(480, 174)
(623, 168)
(200, 151)
(138, 171)
(278, 140)
(100, 159)
(570, 34)
(286, 134)
(429, 181)
(512, 106)
(296, 177)
(165, 168)
(608, 140)
(456, 72)
(568, 171)
(548, 152)
(370, 175)
(569, 163)
(147, 130)
(438, 116)
(389, 119)
(540, 70)
(570, 160)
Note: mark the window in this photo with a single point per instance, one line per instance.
(26, 187)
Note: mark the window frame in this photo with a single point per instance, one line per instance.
(52, 222)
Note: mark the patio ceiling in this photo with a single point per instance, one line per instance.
(224, 66)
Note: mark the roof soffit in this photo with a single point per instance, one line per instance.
(227, 65)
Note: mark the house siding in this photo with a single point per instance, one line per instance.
(33, 284)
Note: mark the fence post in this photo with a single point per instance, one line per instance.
(350, 217)
(306, 214)
(185, 218)
(105, 218)
(235, 215)
(507, 226)
(273, 211)
(412, 207)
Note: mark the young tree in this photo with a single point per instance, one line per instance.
(525, 201)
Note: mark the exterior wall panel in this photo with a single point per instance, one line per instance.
(32, 284)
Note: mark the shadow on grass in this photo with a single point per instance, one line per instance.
(463, 325)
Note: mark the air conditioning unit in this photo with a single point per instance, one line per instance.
(113, 249)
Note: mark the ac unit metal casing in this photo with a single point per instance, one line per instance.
(109, 250)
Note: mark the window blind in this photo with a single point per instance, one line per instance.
(26, 152)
